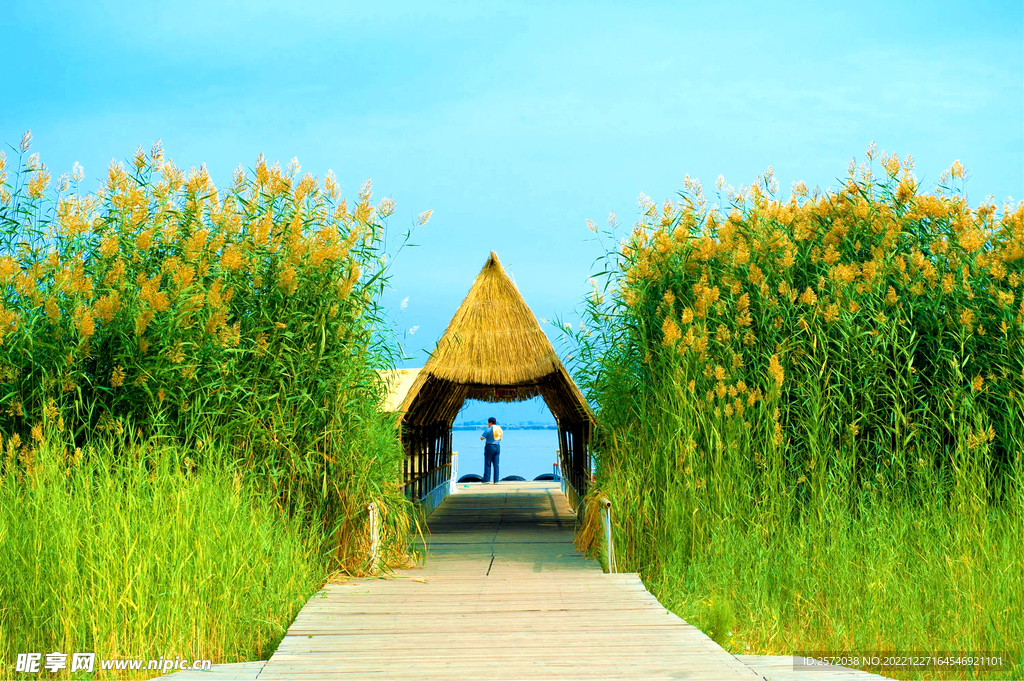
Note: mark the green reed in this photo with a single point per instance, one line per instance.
(189, 396)
(246, 318)
(129, 550)
(810, 414)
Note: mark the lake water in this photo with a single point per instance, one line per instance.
(523, 452)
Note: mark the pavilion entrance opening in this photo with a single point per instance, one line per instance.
(494, 350)
(529, 450)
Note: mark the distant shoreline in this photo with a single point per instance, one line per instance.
(514, 426)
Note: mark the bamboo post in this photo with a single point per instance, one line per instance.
(374, 536)
(455, 471)
(606, 506)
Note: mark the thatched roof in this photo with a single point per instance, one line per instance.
(398, 382)
(494, 338)
(495, 350)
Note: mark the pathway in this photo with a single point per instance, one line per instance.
(502, 595)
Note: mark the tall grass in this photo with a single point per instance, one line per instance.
(126, 550)
(810, 413)
(226, 341)
(247, 317)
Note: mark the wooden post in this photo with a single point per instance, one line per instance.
(606, 507)
(374, 537)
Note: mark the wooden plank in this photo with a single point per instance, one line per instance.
(782, 668)
(240, 671)
(502, 594)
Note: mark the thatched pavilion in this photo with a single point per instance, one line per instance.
(493, 350)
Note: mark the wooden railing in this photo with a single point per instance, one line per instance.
(574, 459)
(571, 479)
(427, 469)
(429, 488)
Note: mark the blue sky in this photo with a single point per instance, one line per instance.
(515, 122)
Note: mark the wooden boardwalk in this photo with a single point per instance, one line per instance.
(502, 595)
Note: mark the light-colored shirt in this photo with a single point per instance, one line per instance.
(488, 436)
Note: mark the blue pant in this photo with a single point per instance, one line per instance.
(491, 453)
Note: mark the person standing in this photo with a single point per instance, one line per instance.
(492, 448)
